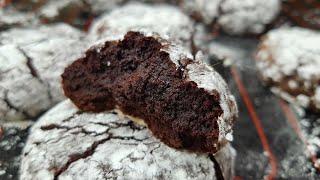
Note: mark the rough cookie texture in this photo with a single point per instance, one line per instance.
(303, 13)
(31, 62)
(168, 21)
(68, 144)
(184, 102)
(289, 61)
(233, 16)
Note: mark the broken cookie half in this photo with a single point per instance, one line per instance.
(185, 103)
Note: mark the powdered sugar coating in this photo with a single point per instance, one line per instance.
(206, 77)
(247, 16)
(31, 61)
(167, 21)
(68, 144)
(289, 59)
(234, 16)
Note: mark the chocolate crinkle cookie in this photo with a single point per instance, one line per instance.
(183, 101)
(31, 62)
(69, 144)
(233, 16)
(289, 62)
(168, 21)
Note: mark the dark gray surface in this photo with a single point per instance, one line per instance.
(285, 144)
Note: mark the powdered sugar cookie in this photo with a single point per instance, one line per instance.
(289, 61)
(31, 63)
(68, 144)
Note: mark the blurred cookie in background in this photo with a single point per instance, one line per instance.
(168, 21)
(31, 62)
(232, 16)
(289, 61)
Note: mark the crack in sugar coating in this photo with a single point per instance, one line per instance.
(135, 76)
(122, 150)
(31, 62)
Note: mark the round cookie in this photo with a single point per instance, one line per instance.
(68, 144)
(31, 62)
(289, 61)
(232, 16)
(183, 101)
(168, 21)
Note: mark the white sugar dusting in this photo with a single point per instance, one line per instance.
(247, 16)
(31, 62)
(131, 152)
(234, 16)
(292, 53)
(167, 21)
(207, 78)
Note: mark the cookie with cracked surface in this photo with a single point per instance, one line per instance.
(289, 61)
(183, 101)
(232, 16)
(31, 62)
(168, 21)
(100, 146)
